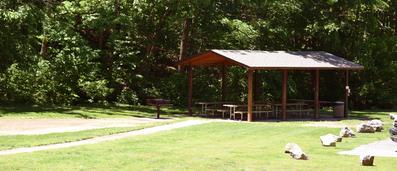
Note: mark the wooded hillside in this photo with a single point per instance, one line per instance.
(105, 51)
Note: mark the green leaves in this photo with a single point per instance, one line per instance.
(97, 90)
(105, 50)
(241, 35)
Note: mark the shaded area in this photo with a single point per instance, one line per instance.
(88, 111)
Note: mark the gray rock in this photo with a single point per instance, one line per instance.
(330, 140)
(365, 128)
(346, 132)
(395, 123)
(376, 124)
(367, 160)
(393, 131)
(393, 116)
(295, 151)
(394, 138)
(393, 134)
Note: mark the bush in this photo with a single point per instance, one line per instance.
(174, 88)
(128, 96)
(31, 85)
(97, 91)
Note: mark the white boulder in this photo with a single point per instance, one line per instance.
(329, 140)
(346, 132)
(365, 128)
(393, 116)
(377, 124)
(367, 160)
(295, 151)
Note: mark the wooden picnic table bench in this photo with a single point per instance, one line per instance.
(258, 110)
(213, 107)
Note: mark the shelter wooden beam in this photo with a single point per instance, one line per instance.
(284, 95)
(316, 94)
(250, 96)
(346, 111)
(190, 89)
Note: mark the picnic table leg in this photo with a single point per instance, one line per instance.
(158, 111)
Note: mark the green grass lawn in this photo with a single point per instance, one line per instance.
(84, 112)
(213, 146)
(87, 112)
(16, 141)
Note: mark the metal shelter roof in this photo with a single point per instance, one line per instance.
(255, 59)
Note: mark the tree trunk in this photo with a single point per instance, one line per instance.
(184, 40)
(117, 7)
(44, 46)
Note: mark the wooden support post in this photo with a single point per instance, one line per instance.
(284, 95)
(158, 111)
(347, 89)
(250, 96)
(190, 89)
(316, 95)
(223, 83)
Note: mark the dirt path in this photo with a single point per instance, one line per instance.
(106, 138)
(46, 126)
(385, 148)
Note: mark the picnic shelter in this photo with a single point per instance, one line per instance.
(284, 61)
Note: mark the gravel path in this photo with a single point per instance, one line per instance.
(384, 148)
(106, 138)
(46, 126)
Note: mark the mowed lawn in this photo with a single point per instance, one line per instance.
(82, 112)
(87, 112)
(212, 146)
(18, 141)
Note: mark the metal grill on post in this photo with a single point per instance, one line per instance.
(158, 103)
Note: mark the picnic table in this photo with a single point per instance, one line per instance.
(257, 109)
(158, 103)
(205, 107)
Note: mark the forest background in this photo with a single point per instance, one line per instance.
(124, 51)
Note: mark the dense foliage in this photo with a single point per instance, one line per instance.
(105, 51)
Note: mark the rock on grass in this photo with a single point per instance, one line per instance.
(346, 132)
(295, 151)
(365, 128)
(330, 140)
(376, 124)
(367, 160)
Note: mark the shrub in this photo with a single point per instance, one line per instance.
(97, 91)
(127, 96)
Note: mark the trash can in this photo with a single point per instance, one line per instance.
(339, 109)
